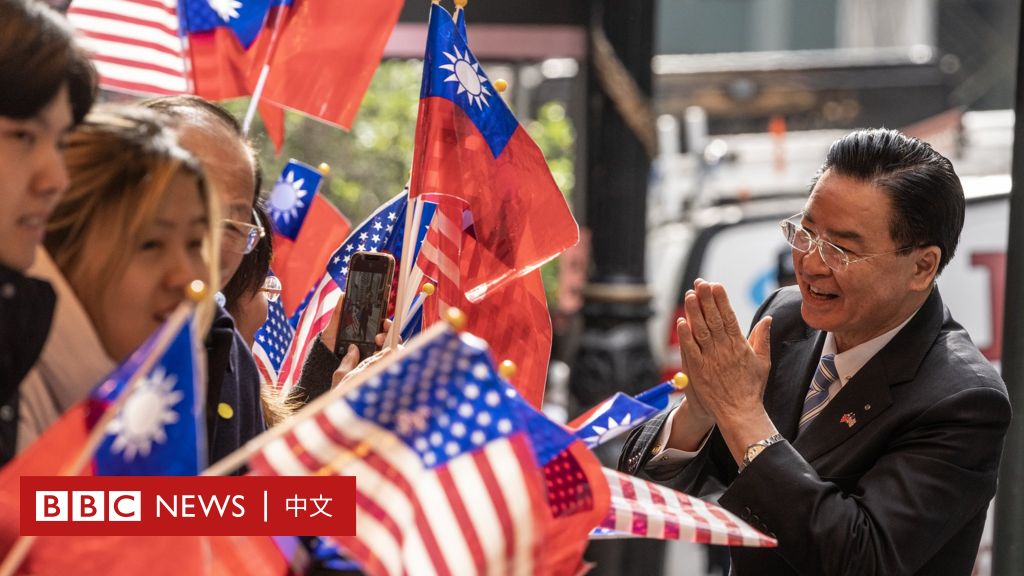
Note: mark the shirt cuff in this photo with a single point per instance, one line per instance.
(663, 456)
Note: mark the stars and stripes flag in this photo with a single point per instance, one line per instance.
(382, 231)
(134, 43)
(319, 56)
(647, 510)
(619, 414)
(447, 478)
(271, 341)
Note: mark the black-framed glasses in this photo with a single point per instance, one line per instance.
(241, 237)
(833, 256)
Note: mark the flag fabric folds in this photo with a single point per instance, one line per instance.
(457, 473)
(619, 414)
(307, 229)
(644, 509)
(447, 481)
(271, 341)
(470, 146)
(326, 56)
(158, 431)
(320, 63)
(134, 44)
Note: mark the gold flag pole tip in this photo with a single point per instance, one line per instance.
(456, 319)
(461, 3)
(680, 380)
(507, 369)
(427, 288)
(324, 168)
(196, 290)
(500, 85)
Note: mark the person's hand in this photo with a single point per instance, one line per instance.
(350, 363)
(727, 372)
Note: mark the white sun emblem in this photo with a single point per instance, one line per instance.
(226, 9)
(286, 199)
(145, 415)
(613, 426)
(467, 74)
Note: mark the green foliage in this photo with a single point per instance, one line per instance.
(369, 164)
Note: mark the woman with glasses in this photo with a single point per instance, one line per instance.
(234, 412)
(46, 87)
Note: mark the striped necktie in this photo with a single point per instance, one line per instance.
(823, 387)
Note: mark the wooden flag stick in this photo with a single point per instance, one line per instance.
(413, 216)
(239, 457)
(257, 93)
(23, 545)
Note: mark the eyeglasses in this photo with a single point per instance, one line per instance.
(241, 237)
(272, 288)
(833, 256)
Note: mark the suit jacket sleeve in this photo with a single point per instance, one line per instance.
(939, 473)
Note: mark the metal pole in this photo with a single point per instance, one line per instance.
(1008, 544)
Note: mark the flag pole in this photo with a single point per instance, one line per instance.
(239, 457)
(413, 216)
(250, 112)
(23, 545)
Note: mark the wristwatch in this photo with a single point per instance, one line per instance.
(757, 447)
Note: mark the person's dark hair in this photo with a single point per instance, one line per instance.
(38, 55)
(926, 194)
(254, 267)
(182, 106)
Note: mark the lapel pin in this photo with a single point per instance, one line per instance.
(867, 406)
(849, 419)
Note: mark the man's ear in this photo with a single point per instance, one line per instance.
(926, 266)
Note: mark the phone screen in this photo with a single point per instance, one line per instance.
(367, 290)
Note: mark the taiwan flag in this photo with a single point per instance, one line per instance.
(470, 146)
(307, 229)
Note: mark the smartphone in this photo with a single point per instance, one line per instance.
(367, 291)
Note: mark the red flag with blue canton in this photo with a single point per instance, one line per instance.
(159, 431)
(619, 414)
(307, 228)
(469, 145)
(456, 473)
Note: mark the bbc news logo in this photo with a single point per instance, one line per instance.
(89, 506)
(179, 506)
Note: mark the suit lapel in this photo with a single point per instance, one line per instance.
(863, 398)
(794, 366)
(867, 394)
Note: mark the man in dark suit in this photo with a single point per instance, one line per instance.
(858, 424)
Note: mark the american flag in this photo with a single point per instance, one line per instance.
(134, 43)
(447, 480)
(647, 510)
(382, 231)
(270, 344)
